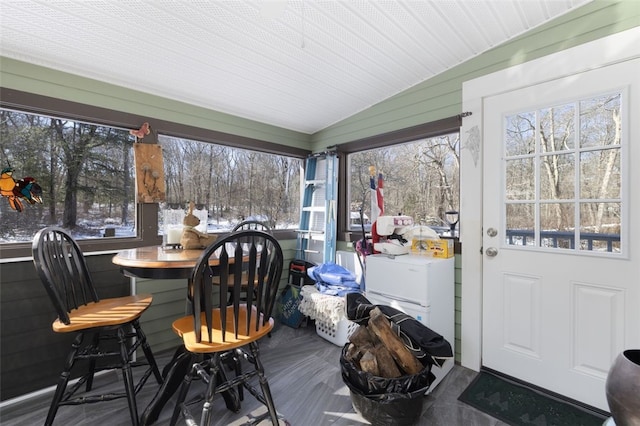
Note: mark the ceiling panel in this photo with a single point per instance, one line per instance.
(300, 64)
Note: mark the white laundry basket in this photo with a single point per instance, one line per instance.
(336, 332)
(329, 314)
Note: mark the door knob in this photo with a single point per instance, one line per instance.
(492, 232)
(492, 251)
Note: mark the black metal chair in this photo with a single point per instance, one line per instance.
(252, 224)
(218, 334)
(66, 278)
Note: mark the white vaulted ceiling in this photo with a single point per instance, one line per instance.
(299, 64)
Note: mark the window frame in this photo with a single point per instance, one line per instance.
(578, 237)
(146, 213)
(421, 131)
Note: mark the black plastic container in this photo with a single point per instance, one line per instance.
(298, 272)
(386, 401)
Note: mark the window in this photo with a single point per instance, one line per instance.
(85, 172)
(564, 177)
(104, 191)
(421, 180)
(228, 185)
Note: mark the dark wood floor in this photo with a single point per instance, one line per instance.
(304, 374)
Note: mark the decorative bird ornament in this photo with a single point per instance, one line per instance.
(7, 183)
(17, 190)
(28, 189)
(7, 186)
(142, 131)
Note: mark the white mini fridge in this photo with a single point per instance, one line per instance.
(420, 286)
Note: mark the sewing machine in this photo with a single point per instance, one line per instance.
(391, 229)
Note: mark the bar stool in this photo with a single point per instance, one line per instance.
(63, 271)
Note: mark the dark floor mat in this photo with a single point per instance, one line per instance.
(520, 405)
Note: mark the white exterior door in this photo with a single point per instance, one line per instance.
(561, 236)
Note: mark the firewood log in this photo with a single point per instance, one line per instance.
(386, 364)
(352, 352)
(369, 364)
(361, 336)
(379, 324)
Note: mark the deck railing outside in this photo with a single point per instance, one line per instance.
(526, 237)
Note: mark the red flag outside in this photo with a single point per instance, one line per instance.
(377, 198)
(380, 195)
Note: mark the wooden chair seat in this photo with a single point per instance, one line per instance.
(183, 327)
(106, 312)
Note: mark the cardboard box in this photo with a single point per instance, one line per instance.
(441, 248)
(420, 246)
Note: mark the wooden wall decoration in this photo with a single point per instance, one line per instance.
(150, 185)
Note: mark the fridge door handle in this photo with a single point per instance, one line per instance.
(394, 297)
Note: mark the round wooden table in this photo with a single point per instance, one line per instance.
(157, 262)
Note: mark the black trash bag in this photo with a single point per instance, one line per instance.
(397, 409)
(368, 384)
(386, 401)
(425, 344)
